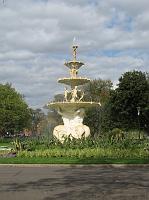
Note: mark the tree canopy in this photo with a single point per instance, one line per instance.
(97, 90)
(14, 112)
(132, 92)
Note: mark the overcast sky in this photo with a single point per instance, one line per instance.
(36, 38)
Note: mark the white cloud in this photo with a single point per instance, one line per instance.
(36, 36)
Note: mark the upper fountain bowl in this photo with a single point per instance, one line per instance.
(74, 81)
(74, 64)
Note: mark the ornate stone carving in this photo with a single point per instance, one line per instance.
(73, 125)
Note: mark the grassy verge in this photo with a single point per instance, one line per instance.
(57, 160)
(84, 151)
(5, 144)
(80, 156)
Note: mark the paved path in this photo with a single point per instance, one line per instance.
(98, 182)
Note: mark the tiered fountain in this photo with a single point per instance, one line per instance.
(72, 108)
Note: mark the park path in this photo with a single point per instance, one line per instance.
(74, 182)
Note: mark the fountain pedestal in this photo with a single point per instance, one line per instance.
(73, 125)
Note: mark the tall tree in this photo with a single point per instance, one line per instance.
(97, 90)
(38, 117)
(132, 92)
(14, 112)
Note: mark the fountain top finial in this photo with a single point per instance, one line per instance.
(74, 64)
(74, 49)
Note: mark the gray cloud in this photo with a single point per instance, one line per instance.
(36, 37)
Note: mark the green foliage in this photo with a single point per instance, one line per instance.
(17, 146)
(58, 97)
(132, 92)
(38, 121)
(54, 118)
(92, 119)
(116, 134)
(119, 106)
(115, 139)
(121, 150)
(14, 112)
(105, 121)
(110, 146)
(98, 91)
(137, 134)
(5, 140)
(29, 144)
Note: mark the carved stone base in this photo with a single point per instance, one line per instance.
(73, 125)
(60, 132)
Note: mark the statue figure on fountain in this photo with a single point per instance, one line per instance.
(66, 94)
(73, 73)
(74, 95)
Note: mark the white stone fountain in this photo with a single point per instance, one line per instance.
(72, 108)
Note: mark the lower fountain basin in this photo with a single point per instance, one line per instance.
(72, 106)
(72, 114)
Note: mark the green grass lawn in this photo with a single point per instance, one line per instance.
(78, 156)
(57, 160)
(5, 144)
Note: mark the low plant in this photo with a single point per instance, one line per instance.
(86, 153)
(17, 146)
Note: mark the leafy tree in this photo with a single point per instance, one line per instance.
(38, 117)
(58, 97)
(132, 92)
(99, 91)
(53, 118)
(14, 112)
